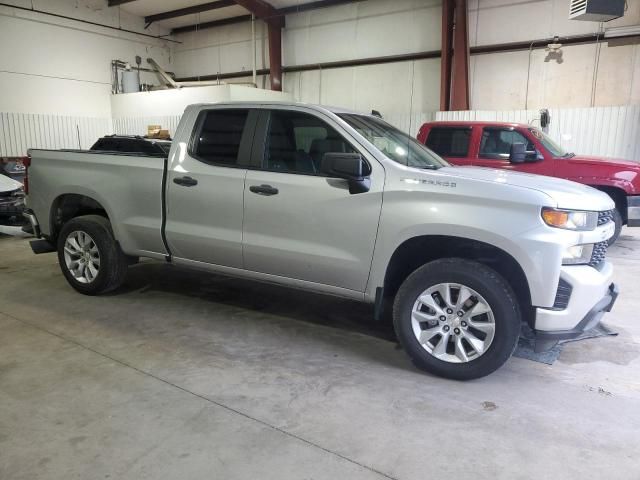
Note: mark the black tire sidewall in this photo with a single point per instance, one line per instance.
(484, 281)
(99, 231)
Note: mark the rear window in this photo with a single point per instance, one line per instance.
(449, 141)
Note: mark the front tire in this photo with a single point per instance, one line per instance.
(457, 319)
(89, 256)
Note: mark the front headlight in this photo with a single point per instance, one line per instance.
(577, 255)
(570, 219)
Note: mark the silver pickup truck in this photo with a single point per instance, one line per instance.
(343, 204)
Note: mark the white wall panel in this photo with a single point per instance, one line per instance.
(603, 131)
(138, 125)
(21, 131)
(56, 66)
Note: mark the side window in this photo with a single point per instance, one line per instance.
(496, 143)
(218, 141)
(449, 141)
(296, 142)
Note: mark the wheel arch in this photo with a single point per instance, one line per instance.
(71, 205)
(419, 250)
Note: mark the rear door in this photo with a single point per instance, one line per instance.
(451, 143)
(298, 223)
(205, 188)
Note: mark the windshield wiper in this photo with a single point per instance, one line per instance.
(569, 155)
(430, 167)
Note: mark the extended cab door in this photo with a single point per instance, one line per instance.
(452, 143)
(299, 223)
(205, 187)
(495, 149)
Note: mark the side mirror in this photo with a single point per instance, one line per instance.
(518, 153)
(349, 166)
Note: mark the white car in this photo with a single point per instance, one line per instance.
(11, 201)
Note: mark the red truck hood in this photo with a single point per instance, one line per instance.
(604, 161)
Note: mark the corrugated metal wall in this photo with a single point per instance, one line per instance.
(138, 125)
(410, 123)
(604, 131)
(21, 131)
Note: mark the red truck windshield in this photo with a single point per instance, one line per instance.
(555, 149)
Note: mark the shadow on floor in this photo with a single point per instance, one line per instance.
(260, 297)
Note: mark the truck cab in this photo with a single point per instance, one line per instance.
(489, 144)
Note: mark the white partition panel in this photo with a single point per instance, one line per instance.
(21, 131)
(138, 125)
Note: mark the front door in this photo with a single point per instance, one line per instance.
(299, 223)
(205, 187)
(495, 150)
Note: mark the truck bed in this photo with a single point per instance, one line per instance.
(132, 183)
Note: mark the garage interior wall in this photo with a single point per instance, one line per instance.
(407, 93)
(58, 75)
(55, 73)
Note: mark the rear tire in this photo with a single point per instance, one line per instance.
(465, 354)
(90, 258)
(617, 219)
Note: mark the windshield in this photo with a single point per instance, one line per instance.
(550, 144)
(395, 144)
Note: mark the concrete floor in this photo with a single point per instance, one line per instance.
(188, 375)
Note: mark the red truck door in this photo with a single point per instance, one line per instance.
(495, 148)
(452, 143)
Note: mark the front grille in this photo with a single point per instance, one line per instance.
(563, 294)
(599, 253)
(605, 217)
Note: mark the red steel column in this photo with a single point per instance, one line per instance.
(460, 83)
(275, 56)
(275, 22)
(447, 53)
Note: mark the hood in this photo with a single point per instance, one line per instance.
(565, 193)
(8, 184)
(589, 159)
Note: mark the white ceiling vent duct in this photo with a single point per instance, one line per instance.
(596, 10)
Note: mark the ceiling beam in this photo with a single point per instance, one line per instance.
(279, 12)
(315, 5)
(263, 11)
(181, 12)
(214, 23)
(115, 3)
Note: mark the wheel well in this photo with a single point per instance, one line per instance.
(619, 196)
(417, 251)
(72, 205)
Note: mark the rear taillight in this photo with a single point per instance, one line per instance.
(26, 161)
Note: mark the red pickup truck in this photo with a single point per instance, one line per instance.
(524, 148)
